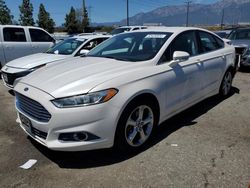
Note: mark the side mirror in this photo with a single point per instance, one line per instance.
(179, 56)
(84, 52)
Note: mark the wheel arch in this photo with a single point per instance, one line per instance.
(141, 95)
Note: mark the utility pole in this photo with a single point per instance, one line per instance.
(89, 8)
(188, 5)
(222, 15)
(127, 13)
(222, 18)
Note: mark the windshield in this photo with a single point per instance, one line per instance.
(240, 34)
(119, 30)
(66, 47)
(135, 46)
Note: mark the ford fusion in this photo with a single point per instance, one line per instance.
(71, 47)
(124, 88)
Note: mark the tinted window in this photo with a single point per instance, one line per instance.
(138, 46)
(208, 42)
(93, 43)
(14, 35)
(240, 34)
(137, 28)
(38, 35)
(184, 42)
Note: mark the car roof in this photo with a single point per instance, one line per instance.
(169, 29)
(132, 26)
(89, 37)
(20, 26)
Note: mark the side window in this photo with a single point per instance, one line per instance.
(38, 35)
(184, 42)
(14, 35)
(208, 42)
(93, 43)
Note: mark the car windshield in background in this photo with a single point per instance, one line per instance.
(119, 30)
(66, 47)
(135, 46)
(240, 34)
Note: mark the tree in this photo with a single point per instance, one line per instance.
(85, 21)
(26, 13)
(44, 21)
(5, 16)
(71, 23)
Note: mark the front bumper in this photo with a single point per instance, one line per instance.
(99, 120)
(11, 76)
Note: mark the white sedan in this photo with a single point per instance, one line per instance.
(68, 48)
(124, 88)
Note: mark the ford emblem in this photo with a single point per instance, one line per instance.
(26, 89)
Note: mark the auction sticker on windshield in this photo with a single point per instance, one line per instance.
(155, 36)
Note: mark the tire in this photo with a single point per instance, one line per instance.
(136, 126)
(226, 84)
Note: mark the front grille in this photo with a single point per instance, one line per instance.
(32, 108)
(10, 78)
(38, 133)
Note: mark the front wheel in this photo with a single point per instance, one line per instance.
(135, 126)
(226, 84)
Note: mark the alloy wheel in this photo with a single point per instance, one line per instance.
(139, 125)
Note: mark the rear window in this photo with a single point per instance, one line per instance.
(14, 35)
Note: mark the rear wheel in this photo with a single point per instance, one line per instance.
(226, 84)
(135, 126)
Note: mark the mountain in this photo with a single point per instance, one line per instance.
(200, 14)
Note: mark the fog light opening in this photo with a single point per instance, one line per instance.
(77, 137)
(80, 136)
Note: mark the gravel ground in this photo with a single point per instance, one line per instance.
(208, 145)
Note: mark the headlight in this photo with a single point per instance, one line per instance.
(85, 99)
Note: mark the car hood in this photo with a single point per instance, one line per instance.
(78, 76)
(31, 61)
(241, 43)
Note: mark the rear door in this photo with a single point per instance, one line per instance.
(40, 40)
(214, 60)
(15, 43)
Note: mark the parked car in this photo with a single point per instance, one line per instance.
(19, 41)
(240, 39)
(124, 88)
(223, 33)
(126, 29)
(71, 47)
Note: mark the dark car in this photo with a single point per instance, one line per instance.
(240, 38)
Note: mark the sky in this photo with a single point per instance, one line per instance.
(100, 11)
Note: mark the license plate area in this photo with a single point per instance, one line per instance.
(25, 121)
